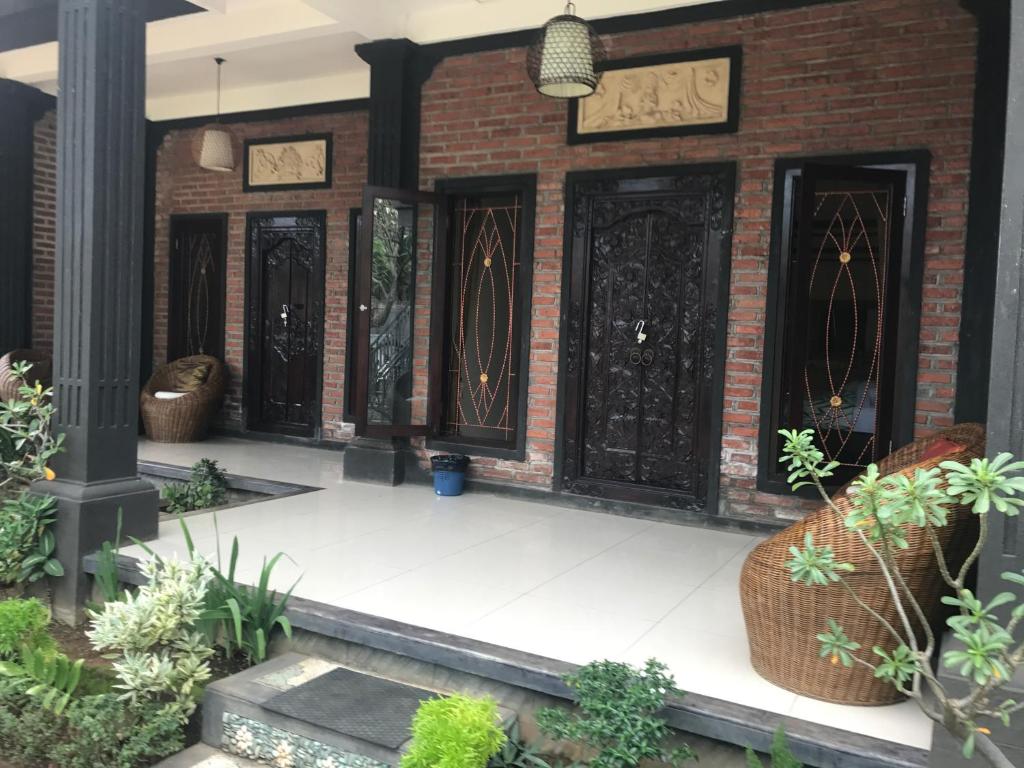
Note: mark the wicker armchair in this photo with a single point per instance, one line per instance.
(187, 418)
(783, 618)
(41, 371)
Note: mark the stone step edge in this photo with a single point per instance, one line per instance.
(235, 721)
(205, 756)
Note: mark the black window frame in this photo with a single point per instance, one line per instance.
(524, 185)
(771, 477)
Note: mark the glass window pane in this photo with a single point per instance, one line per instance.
(400, 257)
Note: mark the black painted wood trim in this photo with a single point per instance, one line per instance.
(22, 106)
(348, 406)
(163, 127)
(526, 186)
(638, 22)
(917, 165)
(988, 131)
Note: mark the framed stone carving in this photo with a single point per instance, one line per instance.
(673, 94)
(287, 162)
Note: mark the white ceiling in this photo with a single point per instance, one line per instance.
(289, 52)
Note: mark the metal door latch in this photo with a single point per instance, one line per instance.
(640, 335)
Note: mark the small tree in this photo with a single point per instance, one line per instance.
(882, 508)
(27, 442)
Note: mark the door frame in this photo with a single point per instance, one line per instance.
(721, 303)
(363, 298)
(916, 163)
(173, 297)
(250, 350)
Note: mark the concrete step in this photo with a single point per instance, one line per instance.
(205, 756)
(306, 712)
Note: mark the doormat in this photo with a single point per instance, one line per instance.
(364, 707)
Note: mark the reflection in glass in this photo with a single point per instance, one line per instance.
(392, 279)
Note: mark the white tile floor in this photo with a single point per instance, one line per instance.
(567, 584)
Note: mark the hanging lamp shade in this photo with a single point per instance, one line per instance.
(562, 62)
(217, 152)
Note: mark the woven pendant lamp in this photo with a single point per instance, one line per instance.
(217, 153)
(562, 62)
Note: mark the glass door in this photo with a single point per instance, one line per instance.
(399, 232)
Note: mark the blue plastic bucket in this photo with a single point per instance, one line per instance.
(449, 474)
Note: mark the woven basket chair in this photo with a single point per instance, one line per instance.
(783, 618)
(185, 419)
(41, 371)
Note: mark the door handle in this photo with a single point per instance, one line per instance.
(363, 307)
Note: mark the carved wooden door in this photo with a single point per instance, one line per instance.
(643, 343)
(285, 307)
(195, 323)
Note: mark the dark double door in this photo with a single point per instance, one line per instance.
(285, 322)
(644, 340)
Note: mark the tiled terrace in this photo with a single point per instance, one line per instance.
(563, 583)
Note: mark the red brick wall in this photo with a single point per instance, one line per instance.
(866, 75)
(183, 187)
(44, 243)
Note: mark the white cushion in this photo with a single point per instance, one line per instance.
(169, 395)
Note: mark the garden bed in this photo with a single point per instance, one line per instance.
(241, 490)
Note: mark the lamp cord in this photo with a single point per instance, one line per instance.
(219, 61)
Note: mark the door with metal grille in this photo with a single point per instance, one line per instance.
(285, 322)
(195, 317)
(841, 312)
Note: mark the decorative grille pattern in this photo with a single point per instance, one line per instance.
(846, 315)
(483, 320)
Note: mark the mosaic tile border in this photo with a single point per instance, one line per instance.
(282, 749)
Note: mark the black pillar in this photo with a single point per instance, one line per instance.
(988, 131)
(1004, 550)
(20, 107)
(100, 164)
(397, 74)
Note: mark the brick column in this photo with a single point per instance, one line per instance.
(100, 161)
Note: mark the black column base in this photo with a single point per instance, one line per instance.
(86, 517)
(369, 460)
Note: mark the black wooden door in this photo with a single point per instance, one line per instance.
(285, 323)
(644, 342)
(195, 322)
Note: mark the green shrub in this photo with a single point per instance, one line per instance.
(101, 731)
(454, 732)
(27, 731)
(618, 717)
(26, 541)
(207, 486)
(23, 622)
(516, 753)
(163, 659)
(781, 756)
(49, 678)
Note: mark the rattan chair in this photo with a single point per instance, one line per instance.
(41, 371)
(783, 618)
(187, 418)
